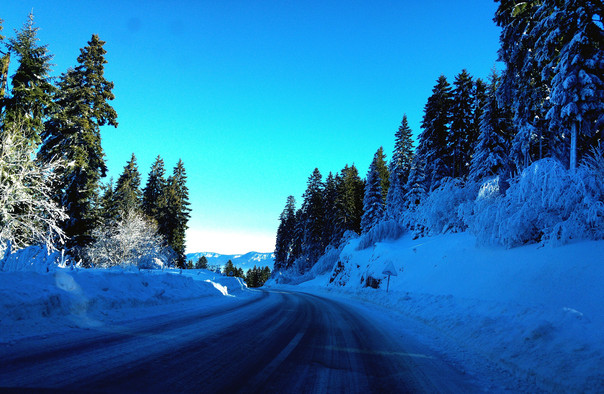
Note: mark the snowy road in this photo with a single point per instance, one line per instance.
(271, 341)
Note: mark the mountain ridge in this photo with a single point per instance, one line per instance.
(244, 261)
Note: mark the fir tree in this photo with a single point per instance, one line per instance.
(202, 263)
(229, 269)
(461, 135)
(73, 134)
(330, 230)
(350, 194)
(382, 169)
(373, 206)
(32, 90)
(491, 154)
(154, 188)
(127, 194)
(400, 166)
(569, 50)
(4, 63)
(285, 234)
(314, 216)
(432, 149)
(175, 211)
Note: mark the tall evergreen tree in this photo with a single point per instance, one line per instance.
(400, 166)
(285, 234)
(461, 135)
(491, 154)
(330, 193)
(570, 51)
(127, 193)
(4, 63)
(382, 169)
(32, 90)
(432, 149)
(73, 134)
(373, 206)
(154, 188)
(350, 194)
(176, 212)
(314, 216)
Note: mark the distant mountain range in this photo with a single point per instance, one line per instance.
(243, 261)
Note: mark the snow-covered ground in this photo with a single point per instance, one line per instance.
(36, 303)
(535, 313)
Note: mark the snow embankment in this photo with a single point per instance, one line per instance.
(533, 311)
(33, 301)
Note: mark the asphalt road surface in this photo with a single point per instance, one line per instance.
(276, 341)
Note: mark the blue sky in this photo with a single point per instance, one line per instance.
(253, 95)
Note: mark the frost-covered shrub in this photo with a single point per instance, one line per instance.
(130, 241)
(545, 203)
(28, 214)
(440, 211)
(32, 258)
(388, 229)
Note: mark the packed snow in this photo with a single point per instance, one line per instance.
(533, 312)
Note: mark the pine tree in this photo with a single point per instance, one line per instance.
(175, 211)
(32, 90)
(202, 263)
(521, 83)
(432, 149)
(156, 183)
(400, 166)
(127, 194)
(349, 203)
(4, 63)
(229, 269)
(382, 169)
(314, 216)
(285, 234)
(373, 206)
(570, 51)
(491, 154)
(73, 134)
(461, 137)
(330, 230)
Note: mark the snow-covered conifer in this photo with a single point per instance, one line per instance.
(461, 138)
(373, 206)
(400, 166)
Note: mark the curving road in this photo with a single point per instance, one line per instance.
(276, 341)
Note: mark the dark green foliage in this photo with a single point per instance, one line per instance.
(230, 270)
(202, 263)
(127, 195)
(154, 189)
(462, 133)
(32, 90)
(73, 134)
(256, 277)
(313, 220)
(432, 149)
(175, 211)
(382, 169)
(349, 201)
(373, 205)
(400, 167)
(285, 234)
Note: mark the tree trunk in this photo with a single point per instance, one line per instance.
(573, 145)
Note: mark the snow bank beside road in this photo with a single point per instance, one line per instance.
(535, 312)
(33, 302)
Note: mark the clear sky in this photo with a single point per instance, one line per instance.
(253, 95)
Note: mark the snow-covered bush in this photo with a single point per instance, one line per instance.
(439, 212)
(32, 258)
(28, 215)
(132, 240)
(546, 203)
(388, 229)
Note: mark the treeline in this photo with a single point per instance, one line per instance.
(254, 277)
(52, 163)
(546, 107)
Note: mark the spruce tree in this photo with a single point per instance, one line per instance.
(382, 169)
(152, 193)
(175, 212)
(373, 206)
(314, 217)
(432, 149)
(32, 90)
(285, 234)
(330, 230)
(202, 263)
(350, 194)
(127, 194)
(570, 51)
(4, 63)
(400, 166)
(73, 134)
(491, 153)
(461, 135)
